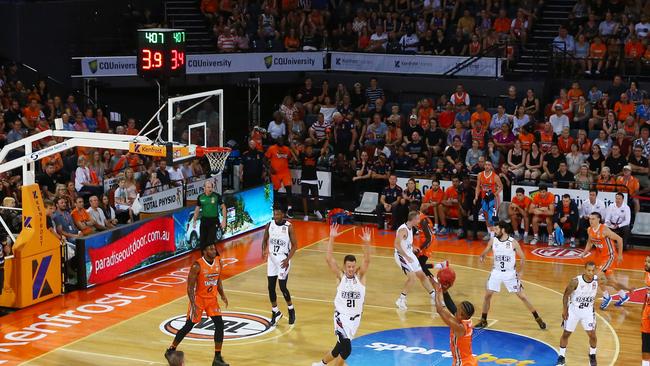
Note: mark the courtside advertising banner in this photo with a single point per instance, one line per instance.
(210, 63)
(412, 64)
(254, 62)
(324, 183)
(108, 66)
(194, 189)
(167, 200)
(110, 254)
(577, 195)
(126, 249)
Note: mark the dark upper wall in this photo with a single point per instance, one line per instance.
(46, 34)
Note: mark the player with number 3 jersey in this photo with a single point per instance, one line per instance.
(505, 250)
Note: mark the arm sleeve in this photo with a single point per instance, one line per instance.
(449, 303)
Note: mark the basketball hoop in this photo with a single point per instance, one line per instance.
(216, 155)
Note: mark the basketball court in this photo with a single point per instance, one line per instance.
(132, 320)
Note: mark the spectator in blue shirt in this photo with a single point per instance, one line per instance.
(90, 121)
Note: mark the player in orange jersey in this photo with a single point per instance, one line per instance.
(488, 188)
(460, 328)
(432, 205)
(601, 237)
(425, 250)
(518, 212)
(278, 156)
(645, 319)
(203, 283)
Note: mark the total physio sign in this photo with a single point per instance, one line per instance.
(167, 200)
(194, 189)
(430, 346)
(128, 251)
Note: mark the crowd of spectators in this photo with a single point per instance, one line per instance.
(582, 139)
(605, 37)
(73, 180)
(432, 27)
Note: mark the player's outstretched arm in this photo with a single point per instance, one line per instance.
(191, 284)
(329, 258)
(485, 251)
(608, 233)
(401, 234)
(522, 256)
(221, 292)
(366, 237)
(294, 242)
(265, 241)
(572, 286)
(447, 316)
(587, 249)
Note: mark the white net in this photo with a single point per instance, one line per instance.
(217, 158)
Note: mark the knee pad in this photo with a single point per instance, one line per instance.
(284, 289)
(346, 348)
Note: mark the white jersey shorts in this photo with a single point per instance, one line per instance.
(346, 325)
(508, 278)
(586, 317)
(274, 267)
(407, 266)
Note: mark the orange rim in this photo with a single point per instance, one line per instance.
(200, 150)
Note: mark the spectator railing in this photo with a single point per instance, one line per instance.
(494, 49)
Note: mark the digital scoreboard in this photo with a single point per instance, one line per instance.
(161, 52)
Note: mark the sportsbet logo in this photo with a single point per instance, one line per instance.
(485, 357)
(430, 346)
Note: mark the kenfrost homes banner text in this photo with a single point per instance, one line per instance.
(210, 63)
(411, 64)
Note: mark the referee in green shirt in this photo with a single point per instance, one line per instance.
(208, 204)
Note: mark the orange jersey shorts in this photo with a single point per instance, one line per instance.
(208, 304)
(281, 179)
(645, 320)
(607, 264)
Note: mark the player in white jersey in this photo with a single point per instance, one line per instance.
(407, 260)
(505, 251)
(350, 295)
(279, 245)
(578, 306)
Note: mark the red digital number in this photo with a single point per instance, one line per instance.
(151, 60)
(178, 59)
(157, 60)
(146, 59)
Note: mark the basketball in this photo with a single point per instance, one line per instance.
(446, 277)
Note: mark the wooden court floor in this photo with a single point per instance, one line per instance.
(131, 321)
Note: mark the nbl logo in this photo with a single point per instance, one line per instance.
(559, 253)
(236, 326)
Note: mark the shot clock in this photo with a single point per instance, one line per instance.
(161, 52)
